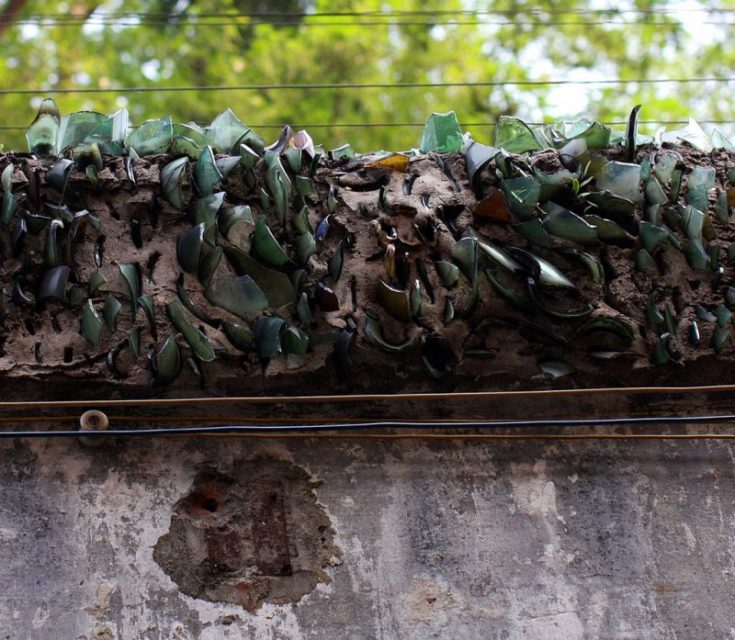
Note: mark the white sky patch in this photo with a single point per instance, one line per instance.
(570, 101)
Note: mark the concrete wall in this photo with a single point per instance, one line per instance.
(432, 540)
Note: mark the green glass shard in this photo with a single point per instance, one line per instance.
(693, 223)
(414, 297)
(721, 141)
(171, 178)
(96, 280)
(534, 231)
(510, 288)
(189, 248)
(181, 145)
(91, 324)
(622, 179)
(168, 359)
(304, 186)
(721, 337)
(498, 256)
(199, 343)
(293, 157)
(556, 369)
(193, 132)
(545, 273)
(664, 166)
(607, 230)
(334, 266)
(131, 277)
(276, 285)
(594, 266)
(394, 301)
(241, 336)
(228, 217)
(652, 235)
(644, 261)
(7, 177)
(267, 248)
(151, 137)
(51, 251)
(268, 336)
(699, 183)
(205, 212)
(278, 182)
(522, 195)
(301, 221)
(465, 254)
(87, 154)
(146, 303)
(8, 207)
(675, 185)
(75, 127)
(53, 284)
(441, 134)
(208, 265)
(206, 173)
(303, 310)
(448, 273)
(134, 341)
(568, 225)
(43, 133)
(515, 136)
(375, 334)
(448, 314)
(692, 135)
(226, 164)
(654, 192)
(237, 294)
(110, 134)
(110, 311)
(595, 134)
(653, 214)
(343, 152)
(477, 156)
(305, 246)
(248, 157)
(722, 209)
(227, 132)
(295, 341)
(551, 183)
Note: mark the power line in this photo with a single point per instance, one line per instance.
(387, 14)
(368, 85)
(371, 125)
(368, 425)
(173, 22)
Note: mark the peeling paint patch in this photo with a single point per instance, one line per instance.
(256, 534)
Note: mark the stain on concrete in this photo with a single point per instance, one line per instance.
(253, 535)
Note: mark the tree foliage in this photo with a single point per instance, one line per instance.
(175, 44)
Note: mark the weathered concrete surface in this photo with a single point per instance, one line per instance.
(445, 539)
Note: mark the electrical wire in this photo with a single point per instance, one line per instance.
(478, 436)
(470, 396)
(286, 22)
(390, 13)
(370, 425)
(356, 85)
(370, 125)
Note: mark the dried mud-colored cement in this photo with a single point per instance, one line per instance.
(43, 355)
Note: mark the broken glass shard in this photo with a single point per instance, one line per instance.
(441, 134)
